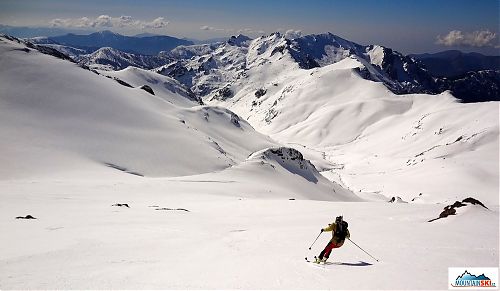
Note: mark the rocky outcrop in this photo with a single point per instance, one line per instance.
(26, 217)
(147, 89)
(452, 208)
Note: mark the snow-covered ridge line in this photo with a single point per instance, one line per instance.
(399, 73)
(205, 67)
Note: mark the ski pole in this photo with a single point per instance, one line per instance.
(316, 239)
(362, 249)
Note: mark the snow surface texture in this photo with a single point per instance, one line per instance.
(214, 204)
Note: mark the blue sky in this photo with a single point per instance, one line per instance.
(408, 26)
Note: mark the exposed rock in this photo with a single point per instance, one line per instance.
(121, 82)
(261, 92)
(224, 93)
(473, 86)
(121, 205)
(397, 200)
(474, 202)
(451, 209)
(239, 40)
(172, 209)
(235, 119)
(26, 217)
(147, 89)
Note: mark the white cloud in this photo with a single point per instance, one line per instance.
(476, 38)
(103, 21)
(159, 22)
(106, 21)
(211, 28)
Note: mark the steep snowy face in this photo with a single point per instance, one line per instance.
(266, 49)
(209, 69)
(322, 49)
(108, 58)
(407, 74)
(399, 73)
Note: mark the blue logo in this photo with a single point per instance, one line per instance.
(469, 280)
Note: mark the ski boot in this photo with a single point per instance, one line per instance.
(319, 261)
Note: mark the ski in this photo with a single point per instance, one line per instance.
(321, 263)
(314, 262)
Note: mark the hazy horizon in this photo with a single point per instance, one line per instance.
(408, 27)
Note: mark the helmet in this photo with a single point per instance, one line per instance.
(339, 219)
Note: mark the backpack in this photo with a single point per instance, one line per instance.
(341, 231)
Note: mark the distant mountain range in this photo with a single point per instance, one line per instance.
(28, 32)
(471, 77)
(147, 45)
(453, 63)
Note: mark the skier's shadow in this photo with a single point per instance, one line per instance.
(359, 264)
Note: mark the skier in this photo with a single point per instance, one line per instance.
(339, 234)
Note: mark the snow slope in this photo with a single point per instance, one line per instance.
(227, 240)
(55, 114)
(164, 87)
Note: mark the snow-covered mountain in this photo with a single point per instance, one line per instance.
(108, 58)
(211, 68)
(208, 68)
(146, 124)
(298, 91)
(317, 93)
(400, 74)
(312, 93)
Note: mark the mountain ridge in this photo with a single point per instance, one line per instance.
(146, 45)
(453, 63)
(399, 73)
